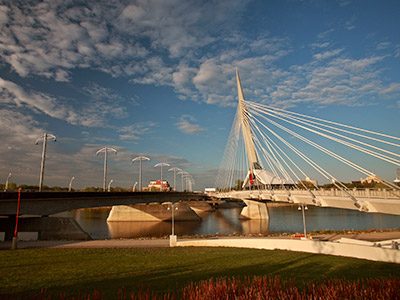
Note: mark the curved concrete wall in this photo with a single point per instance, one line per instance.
(331, 248)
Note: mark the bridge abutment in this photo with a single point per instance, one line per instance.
(254, 210)
(152, 212)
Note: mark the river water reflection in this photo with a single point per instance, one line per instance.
(226, 222)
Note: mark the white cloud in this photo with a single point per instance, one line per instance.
(163, 43)
(327, 54)
(101, 103)
(3, 14)
(336, 80)
(13, 93)
(187, 124)
(392, 88)
(135, 132)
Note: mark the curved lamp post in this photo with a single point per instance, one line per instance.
(105, 150)
(134, 186)
(6, 185)
(45, 138)
(188, 182)
(183, 174)
(161, 165)
(70, 183)
(140, 159)
(175, 169)
(109, 185)
(303, 208)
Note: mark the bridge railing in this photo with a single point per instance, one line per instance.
(362, 193)
(358, 193)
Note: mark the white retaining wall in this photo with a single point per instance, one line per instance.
(331, 248)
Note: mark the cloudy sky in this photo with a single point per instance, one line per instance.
(157, 78)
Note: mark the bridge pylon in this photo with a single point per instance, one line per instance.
(256, 174)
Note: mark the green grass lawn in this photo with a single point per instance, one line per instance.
(107, 270)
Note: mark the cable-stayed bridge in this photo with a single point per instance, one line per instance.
(272, 154)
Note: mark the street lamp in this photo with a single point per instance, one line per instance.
(303, 208)
(70, 183)
(105, 150)
(140, 159)
(6, 185)
(109, 185)
(161, 165)
(174, 169)
(183, 174)
(172, 237)
(188, 181)
(45, 137)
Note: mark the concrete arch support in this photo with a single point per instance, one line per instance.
(254, 210)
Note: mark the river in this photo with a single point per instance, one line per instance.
(226, 222)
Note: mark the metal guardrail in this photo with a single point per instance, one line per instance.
(359, 193)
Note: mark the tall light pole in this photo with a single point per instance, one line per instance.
(183, 174)
(45, 138)
(172, 237)
(188, 181)
(70, 183)
(303, 208)
(109, 185)
(161, 165)
(6, 185)
(174, 169)
(140, 159)
(105, 150)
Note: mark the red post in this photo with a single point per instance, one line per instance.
(15, 237)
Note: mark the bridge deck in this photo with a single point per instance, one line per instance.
(380, 201)
(47, 203)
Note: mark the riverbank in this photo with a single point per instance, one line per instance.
(371, 236)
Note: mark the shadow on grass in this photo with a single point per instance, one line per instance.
(110, 270)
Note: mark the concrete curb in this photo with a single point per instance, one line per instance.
(309, 246)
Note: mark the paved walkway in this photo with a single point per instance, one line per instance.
(150, 243)
(158, 243)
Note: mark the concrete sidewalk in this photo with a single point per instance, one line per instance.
(129, 243)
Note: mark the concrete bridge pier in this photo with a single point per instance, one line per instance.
(254, 210)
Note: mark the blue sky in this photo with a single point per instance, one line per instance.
(157, 78)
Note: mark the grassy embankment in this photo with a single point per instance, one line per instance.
(110, 270)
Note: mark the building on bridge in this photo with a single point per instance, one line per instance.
(371, 179)
(157, 185)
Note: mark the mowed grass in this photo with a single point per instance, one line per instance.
(109, 270)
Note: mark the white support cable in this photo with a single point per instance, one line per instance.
(319, 147)
(388, 184)
(300, 154)
(348, 162)
(233, 163)
(318, 168)
(271, 162)
(288, 166)
(318, 125)
(313, 164)
(266, 156)
(330, 153)
(342, 125)
(230, 151)
(356, 147)
(272, 151)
